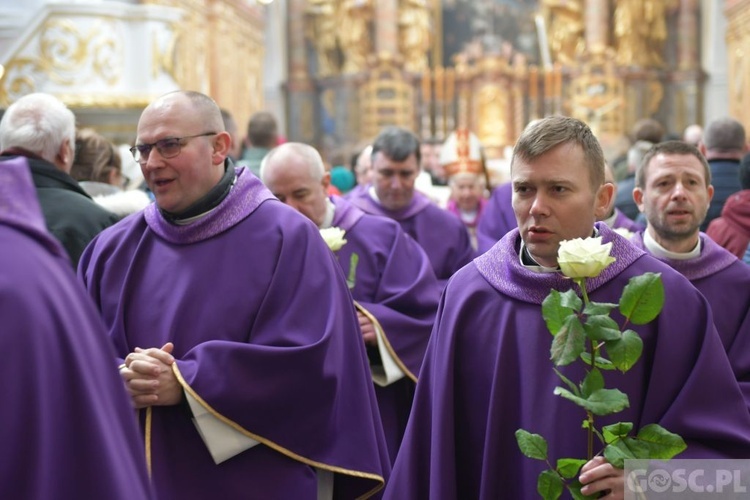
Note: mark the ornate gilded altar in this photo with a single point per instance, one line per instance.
(608, 63)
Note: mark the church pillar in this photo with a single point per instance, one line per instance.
(300, 87)
(687, 33)
(597, 24)
(386, 29)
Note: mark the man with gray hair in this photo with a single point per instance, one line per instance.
(724, 144)
(394, 288)
(42, 129)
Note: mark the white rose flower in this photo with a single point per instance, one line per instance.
(584, 258)
(334, 237)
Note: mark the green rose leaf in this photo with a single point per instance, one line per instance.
(599, 328)
(601, 363)
(568, 344)
(616, 431)
(593, 382)
(643, 298)
(661, 443)
(549, 485)
(532, 445)
(624, 449)
(625, 352)
(568, 382)
(600, 402)
(569, 467)
(557, 307)
(598, 308)
(607, 401)
(574, 487)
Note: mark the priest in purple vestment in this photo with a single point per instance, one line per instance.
(673, 189)
(236, 331)
(68, 429)
(487, 371)
(499, 217)
(395, 166)
(393, 285)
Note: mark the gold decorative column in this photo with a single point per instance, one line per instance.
(738, 47)
(301, 123)
(598, 25)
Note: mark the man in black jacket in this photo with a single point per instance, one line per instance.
(724, 144)
(42, 129)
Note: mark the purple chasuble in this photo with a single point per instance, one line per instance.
(68, 428)
(498, 218)
(487, 373)
(725, 282)
(625, 222)
(395, 286)
(266, 339)
(443, 237)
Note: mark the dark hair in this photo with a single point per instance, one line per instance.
(647, 129)
(543, 135)
(744, 172)
(724, 135)
(397, 144)
(670, 148)
(262, 131)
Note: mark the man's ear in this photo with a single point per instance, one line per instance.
(326, 180)
(638, 198)
(221, 144)
(604, 199)
(65, 156)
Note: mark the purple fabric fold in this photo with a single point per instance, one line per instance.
(396, 284)
(68, 427)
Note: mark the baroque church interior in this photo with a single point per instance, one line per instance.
(335, 71)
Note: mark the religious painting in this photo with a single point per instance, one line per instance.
(477, 28)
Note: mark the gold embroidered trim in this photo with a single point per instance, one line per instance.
(274, 446)
(147, 433)
(388, 345)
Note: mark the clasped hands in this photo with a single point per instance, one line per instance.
(149, 378)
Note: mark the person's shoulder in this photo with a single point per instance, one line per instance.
(672, 279)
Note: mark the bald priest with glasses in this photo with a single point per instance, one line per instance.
(234, 330)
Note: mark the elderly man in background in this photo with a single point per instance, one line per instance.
(234, 326)
(394, 288)
(462, 161)
(43, 130)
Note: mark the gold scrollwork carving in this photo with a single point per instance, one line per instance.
(66, 52)
(21, 77)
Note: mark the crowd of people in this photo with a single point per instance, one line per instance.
(192, 330)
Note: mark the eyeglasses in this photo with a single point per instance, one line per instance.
(167, 148)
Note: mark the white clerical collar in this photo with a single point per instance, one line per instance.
(537, 267)
(468, 216)
(373, 194)
(330, 210)
(610, 221)
(657, 250)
